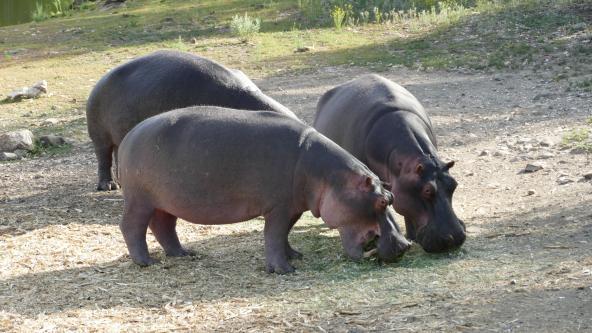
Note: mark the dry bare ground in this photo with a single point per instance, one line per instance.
(526, 265)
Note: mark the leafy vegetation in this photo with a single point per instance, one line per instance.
(245, 27)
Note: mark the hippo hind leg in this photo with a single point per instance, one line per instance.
(163, 227)
(104, 154)
(134, 224)
(277, 227)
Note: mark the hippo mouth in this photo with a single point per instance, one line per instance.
(370, 248)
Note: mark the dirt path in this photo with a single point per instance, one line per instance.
(526, 266)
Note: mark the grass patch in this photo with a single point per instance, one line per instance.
(579, 139)
(51, 151)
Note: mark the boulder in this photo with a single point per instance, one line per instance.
(12, 141)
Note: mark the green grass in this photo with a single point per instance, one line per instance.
(579, 139)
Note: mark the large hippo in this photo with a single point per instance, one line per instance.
(160, 82)
(385, 127)
(212, 165)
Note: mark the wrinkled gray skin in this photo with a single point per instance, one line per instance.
(385, 127)
(159, 82)
(211, 165)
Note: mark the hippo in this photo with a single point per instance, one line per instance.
(159, 82)
(213, 165)
(385, 127)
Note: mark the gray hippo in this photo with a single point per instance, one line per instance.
(212, 165)
(385, 127)
(159, 82)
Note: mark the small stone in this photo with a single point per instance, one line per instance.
(469, 174)
(546, 155)
(530, 192)
(546, 142)
(51, 140)
(532, 167)
(302, 49)
(578, 151)
(4, 156)
(542, 96)
(50, 122)
(484, 152)
(513, 282)
(563, 180)
(11, 141)
(31, 92)
(588, 176)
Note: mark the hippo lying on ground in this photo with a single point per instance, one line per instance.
(160, 82)
(212, 165)
(385, 127)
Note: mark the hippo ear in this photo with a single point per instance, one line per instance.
(448, 165)
(366, 184)
(419, 169)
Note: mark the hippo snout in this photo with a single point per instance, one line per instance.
(390, 250)
(443, 242)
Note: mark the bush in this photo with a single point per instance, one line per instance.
(245, 27)
(338, 15)
(39, 14)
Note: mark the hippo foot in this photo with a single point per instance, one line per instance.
(107, 185)
(181, 253)
(145, 262)
(293, 254)
(279, 267)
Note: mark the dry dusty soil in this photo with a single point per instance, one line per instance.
(526, 265)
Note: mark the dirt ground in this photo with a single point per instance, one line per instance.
(526, 265)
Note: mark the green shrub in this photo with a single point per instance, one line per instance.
(338, 15)
(39, 14)
(245, 27)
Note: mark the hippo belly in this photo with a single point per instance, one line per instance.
(160, 82)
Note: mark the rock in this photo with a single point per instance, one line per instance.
(579, 150)
(546, 142)
(546, 155)
(4, 156)
(588, 176)
(530, 192)
(50, 122)
(532, 167)
(51, 141)
(542, 96)
(501, 152)
(12, 141)
(31, 92)
(484, 152)
(564, 180)
(20, 153)
(302, 49)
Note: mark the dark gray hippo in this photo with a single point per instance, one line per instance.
(160, 82)
(212, 165)
(385, 127)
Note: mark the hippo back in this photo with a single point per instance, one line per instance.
(167, 80)
(347, 113)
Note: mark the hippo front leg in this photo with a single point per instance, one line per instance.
(410, 228)
(277, 227)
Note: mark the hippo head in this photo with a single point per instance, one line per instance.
(357, 207)
(423, 189)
